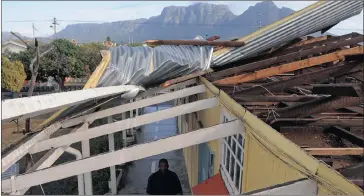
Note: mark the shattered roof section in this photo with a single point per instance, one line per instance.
(146, 66)
(310, 91)
(309, 20)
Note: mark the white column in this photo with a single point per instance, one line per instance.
(124, 131)
(131, 115)
(137, 110)
(112, 183)
(87, 176)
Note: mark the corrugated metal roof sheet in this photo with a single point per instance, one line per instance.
(309, 20)
(146, 65)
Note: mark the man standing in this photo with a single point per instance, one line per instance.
(164, 182)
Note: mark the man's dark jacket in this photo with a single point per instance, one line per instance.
(166, 183)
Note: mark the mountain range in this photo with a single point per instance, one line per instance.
(180, 22)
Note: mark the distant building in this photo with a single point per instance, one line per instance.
(109, 44)
(74, 42)
(13, 46)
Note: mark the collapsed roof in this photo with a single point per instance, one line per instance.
(286, 81)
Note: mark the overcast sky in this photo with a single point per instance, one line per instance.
(69, 12)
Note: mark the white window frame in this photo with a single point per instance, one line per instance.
(224, 148)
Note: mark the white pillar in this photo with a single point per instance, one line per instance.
(87, 176)
(137, 110)
(80, 178)
(124, 131)
(112, 183)
(81, 184)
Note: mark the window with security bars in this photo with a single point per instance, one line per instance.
(232, 159)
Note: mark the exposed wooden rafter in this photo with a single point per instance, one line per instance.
(335, 151)
(281, 86)
(310, 62)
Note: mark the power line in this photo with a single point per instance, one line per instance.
(27, 21)
(158, 23)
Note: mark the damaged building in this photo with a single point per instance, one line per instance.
(280, 114)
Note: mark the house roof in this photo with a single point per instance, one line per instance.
(288, 83)
(310, 91)
(311, 19)
(14, 43)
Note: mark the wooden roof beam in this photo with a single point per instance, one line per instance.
(319, 43)
(335, 151)
(312, 40)
(320, 122)
(280, 86)
(277, 98)
(289, 67)
(339, 89)
(184, 78)
(196, 42)
(356, 109)
(346, 135)
(283, 58)
(317, 106)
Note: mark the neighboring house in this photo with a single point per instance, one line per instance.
(109, 44)
(13, 46)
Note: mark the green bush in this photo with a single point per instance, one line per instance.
(12, 75)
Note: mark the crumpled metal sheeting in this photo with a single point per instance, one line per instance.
(145, 65)
(311, 21)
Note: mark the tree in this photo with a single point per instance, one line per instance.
(108, 39)
(63, 61)
(12, 75)
(90, 55)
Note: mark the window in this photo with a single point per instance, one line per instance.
(232, 158)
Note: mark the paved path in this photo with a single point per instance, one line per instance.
(137, 173)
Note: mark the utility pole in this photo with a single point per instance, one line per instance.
(260, 21)
(33, 32)
(54, 25)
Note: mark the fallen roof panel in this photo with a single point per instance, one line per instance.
(309, 20)
(32, 106)
(146, 66)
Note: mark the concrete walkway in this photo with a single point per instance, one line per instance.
(137, 173)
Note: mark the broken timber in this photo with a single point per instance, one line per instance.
(280, 86)
(281, 59)
(317, 106)
(196, 43)
(346, 135)
(334, 151)
(289, 67)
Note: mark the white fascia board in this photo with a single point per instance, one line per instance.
(135, 105)
(124, 155)
(22, 150)
(124, 124)
(32, 106)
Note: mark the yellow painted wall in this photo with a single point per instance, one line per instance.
(271, 159)
(263, 169)
(211, 117)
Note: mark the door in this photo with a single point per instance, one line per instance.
(205, 162)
